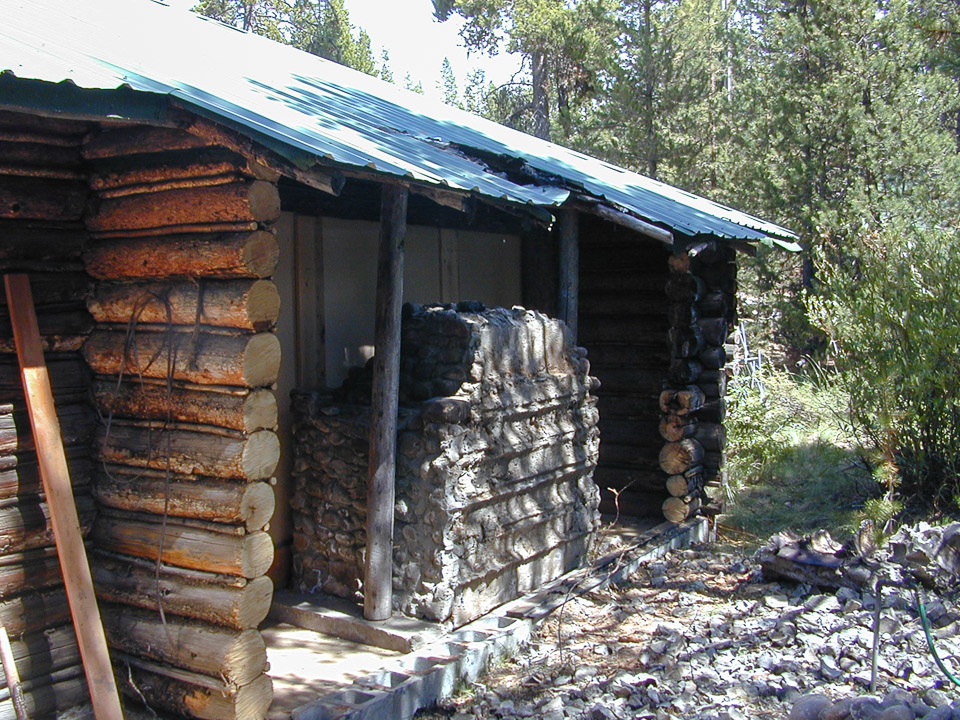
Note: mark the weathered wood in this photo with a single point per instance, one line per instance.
(684, 288)
(713, 411)
(678, 457)
(713, 436)
(128, 174)
(191, 496)
(59, 496)
(205, 358)
(255, 201)
(23, 477)
(12, 676)
(197, 595)
(60, 331)
(712, 357)
(240, 304)
(68, 376)
(26, 524)
(681, 402)
(685, 342)
(34, 611)
(378, 570)
(57, 291)
(674, 428)
(39, 245)
(139, 140)
(248, 556)
(684, 371)
(244, 457)
(630, 222)
(237, 656)
(48, 695)
(32, 570)
(38, 155)
(30, 198)
(39, 654)
(236, 409)
(181, 692)
(676, 509)
(637, 303)
(687, 484)
(714, 330)
(210, 255)
(76, 426)
(568, 290)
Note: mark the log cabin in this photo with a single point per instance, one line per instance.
(306, 329)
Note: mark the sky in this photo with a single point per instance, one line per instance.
(417, 43)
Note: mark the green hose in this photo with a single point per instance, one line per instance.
(933, 651)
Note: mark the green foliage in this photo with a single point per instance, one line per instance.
(891, 304)
(792, 464)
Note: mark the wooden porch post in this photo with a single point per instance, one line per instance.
(378, 572)
(569, 268)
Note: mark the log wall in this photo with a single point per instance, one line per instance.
(702, 293)
(624, 323)
(43, 195)
(182, 351)
(496, 451)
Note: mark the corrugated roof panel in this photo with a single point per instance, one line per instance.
(322, 109)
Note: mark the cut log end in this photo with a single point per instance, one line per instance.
(261, 360)
(678, 509)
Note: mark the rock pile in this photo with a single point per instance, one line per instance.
(701, 635)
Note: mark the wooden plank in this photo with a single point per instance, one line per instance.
(378, 571)
(63, 511)
(568, 292)
(308, 266)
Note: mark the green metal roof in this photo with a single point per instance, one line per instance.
(123, 57)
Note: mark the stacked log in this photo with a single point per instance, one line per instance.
(42, 200)
(702, 293)
(624, 322)
(184, 355)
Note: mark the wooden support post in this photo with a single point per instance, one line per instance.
(569, 268)
(378, 572)
(63, 511)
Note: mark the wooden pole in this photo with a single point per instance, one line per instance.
(569, 269)
(63, 511)
(13, 677)
(378, 571)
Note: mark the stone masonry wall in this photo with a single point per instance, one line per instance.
(497, 444)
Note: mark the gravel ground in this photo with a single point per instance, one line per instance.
(700, 634)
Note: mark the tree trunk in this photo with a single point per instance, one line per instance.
(248, 556)
(541, 100)
(197, 595)
(240, 304)
(208, 255)
(208, 359)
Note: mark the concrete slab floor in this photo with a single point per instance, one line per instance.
(305, 664)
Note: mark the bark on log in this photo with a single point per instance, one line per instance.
(38, 155)
(129, 174)
(250, 504)
(204, 599)
(240, 304)
(33, 570)
(39, 654)
(224, 255)
(676, 509)
(253, 457)
(26, 524)
(238, 657)
(713, 357)
(244, 360)
(255, 201)
(139, 140)
(179, 693)
(714, 330)
(678, 457)
(681, 402)
(674, 428)
(48, 695)
(27, 198)
(245, 410)
(684, 288)
(248, 556)
(34, 611)
(713, 436)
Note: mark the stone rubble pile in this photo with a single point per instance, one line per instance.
(701, 635)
